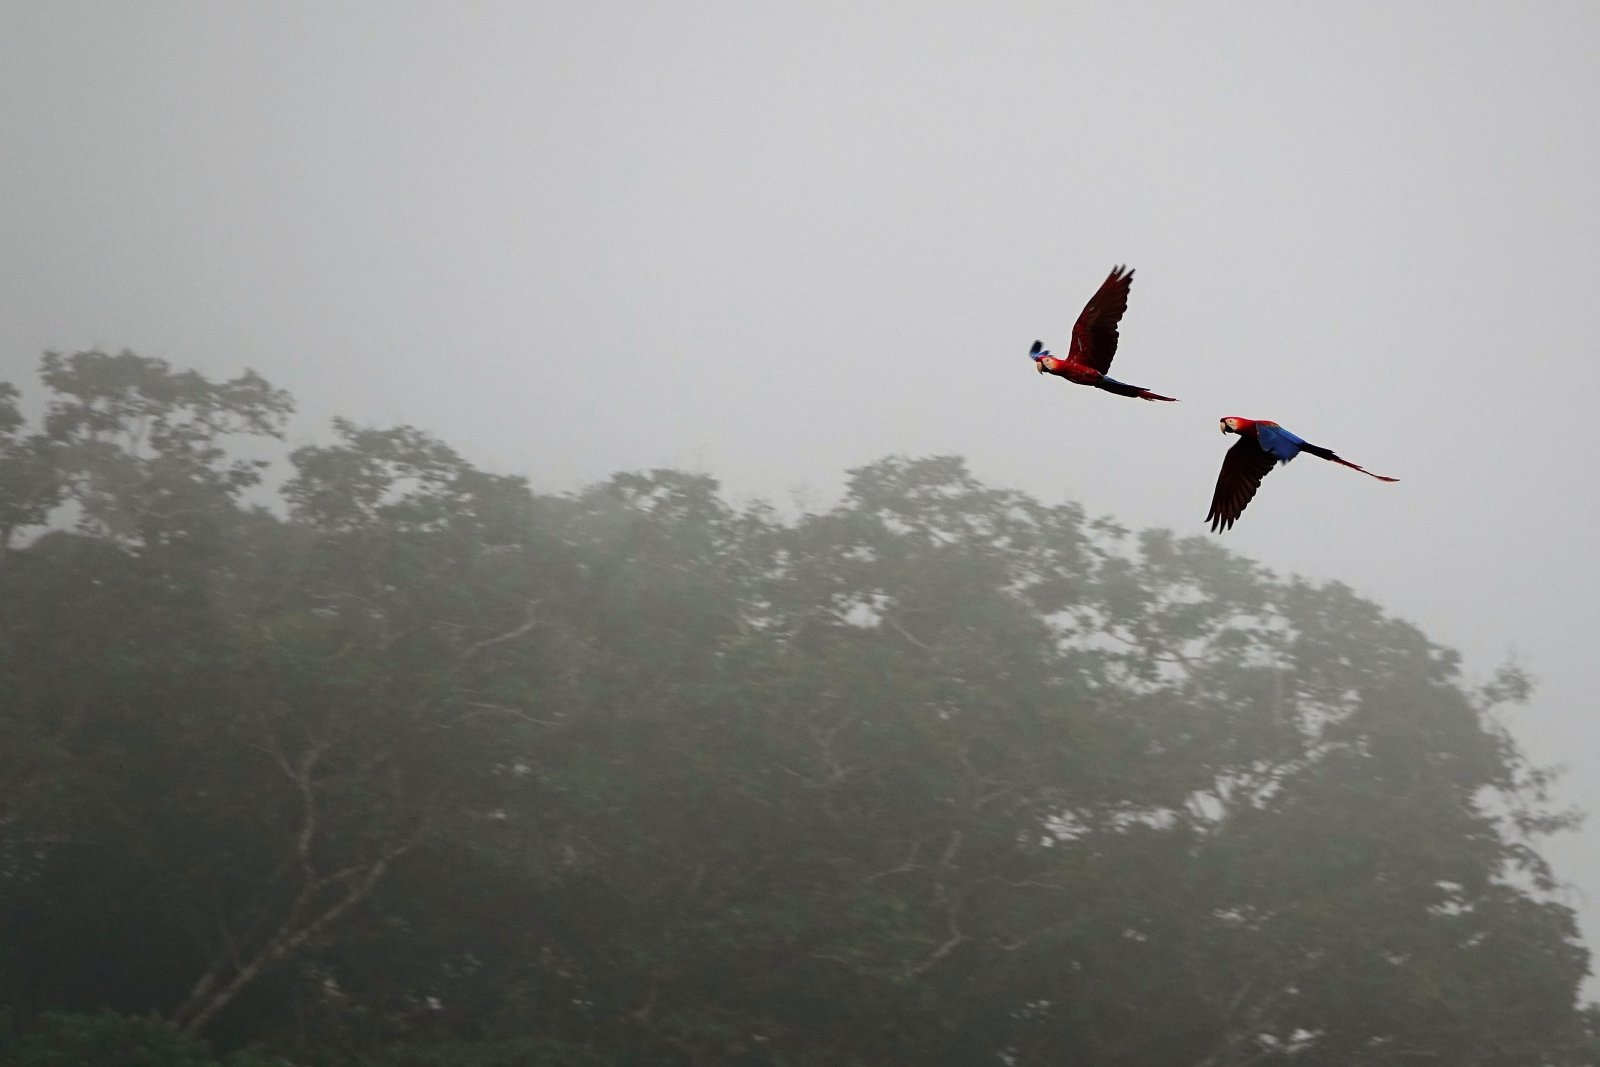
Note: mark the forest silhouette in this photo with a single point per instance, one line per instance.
(360, 754)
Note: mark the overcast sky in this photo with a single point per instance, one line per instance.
(774, 241)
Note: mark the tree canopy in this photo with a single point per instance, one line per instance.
(398, 761)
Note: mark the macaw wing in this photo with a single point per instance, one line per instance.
(1094, 335)
(1279, 442)
(1242, 470)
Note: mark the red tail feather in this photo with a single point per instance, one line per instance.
(1363, 470)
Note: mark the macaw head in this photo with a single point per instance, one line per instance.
(1037, 354)
(1233, 424)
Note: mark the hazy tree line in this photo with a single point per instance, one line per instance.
(385, 759)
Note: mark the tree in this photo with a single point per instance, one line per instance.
(30, 487)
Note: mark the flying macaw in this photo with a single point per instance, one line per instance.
(1094, 341)
(1261, 445)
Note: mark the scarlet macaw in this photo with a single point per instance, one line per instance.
(1094, 341)
(1261, 445)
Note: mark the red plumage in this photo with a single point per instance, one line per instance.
(1094, 335)
(1094, 341)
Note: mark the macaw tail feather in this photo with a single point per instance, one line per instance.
(1363, 470)
(1328, 453)
(1111, 385)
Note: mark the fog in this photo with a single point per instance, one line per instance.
(773, 243)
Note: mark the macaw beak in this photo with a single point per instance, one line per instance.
(1038, 365)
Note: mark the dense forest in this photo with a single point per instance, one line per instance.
(362, 755)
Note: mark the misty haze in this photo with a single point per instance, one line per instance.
(530, 535)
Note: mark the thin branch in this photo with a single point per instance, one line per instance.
(946, 947)
(509, 635)
(908, 635)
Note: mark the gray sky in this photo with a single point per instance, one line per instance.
(772, 242)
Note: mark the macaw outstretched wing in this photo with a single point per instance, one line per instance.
(1245, 464)
(1094, 335)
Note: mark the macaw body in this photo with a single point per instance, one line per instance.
(1094, 341)
(1262, 445)
(1084, 374)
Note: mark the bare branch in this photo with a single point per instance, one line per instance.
(208, 997)
(946, 947)
(510, 635)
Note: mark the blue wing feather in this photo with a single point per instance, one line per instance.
(1278, 442)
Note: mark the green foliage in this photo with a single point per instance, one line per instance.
(142, 448)
(515, 1052)
(106, 1040)
(425, 768)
